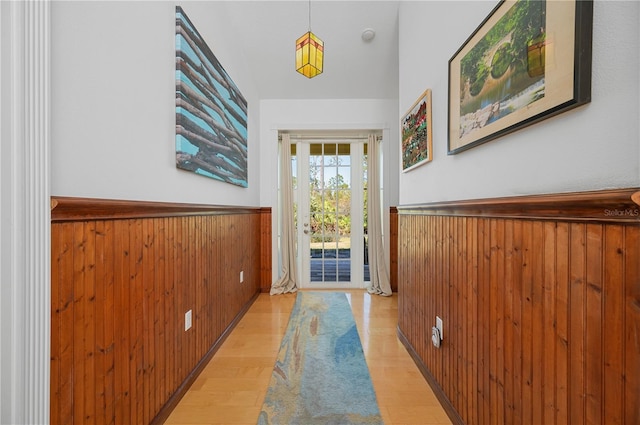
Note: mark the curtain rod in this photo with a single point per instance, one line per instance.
(327, 138)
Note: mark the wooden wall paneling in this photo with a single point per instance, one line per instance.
(412, 281)
(613, 313)
(122, 320)
(222, 278)
(152, 348)
(428, 287)
(180, 280)
(171, 341)
(404, 257)
(393, 248)
(225, 265)
(545, 308)
(178, 312)
(194, 334)
(549, 321)
(436, 290)
(100, 340)
(205, 336)
(78, 320)
(577, 323)
(203, 288)
(472, 307)
(106, 275)
(217, 272)
(136, 284)
(538, 347)
(89, 355)
(159, 266)
(437, 280)
(136, 291)
(463, 286)
(496, 334)
(632, 325)
(562, 322)
(254, 261)
(62, 328)
(423, 287)
(508, 294)
(189, 338)
(459, 285)
(265, 249)
(593, 324)
(527, 322)
(518, 249)
(120, 289)
(445, 286)
(54, 371)
(409, 282)
(484, 300)
(467, 375)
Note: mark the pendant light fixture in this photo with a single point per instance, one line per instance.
(309, 53)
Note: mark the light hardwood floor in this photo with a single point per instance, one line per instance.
(231, 388)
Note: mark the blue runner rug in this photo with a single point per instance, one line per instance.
(320, 375)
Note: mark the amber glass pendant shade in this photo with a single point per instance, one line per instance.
(309, 55)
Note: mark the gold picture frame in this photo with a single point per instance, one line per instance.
(417, 135)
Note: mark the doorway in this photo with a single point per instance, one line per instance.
(330, 180)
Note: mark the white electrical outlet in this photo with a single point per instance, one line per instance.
(187, 320)
(241, 276)
(439, 326)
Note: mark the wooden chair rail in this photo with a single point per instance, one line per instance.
(617, 205)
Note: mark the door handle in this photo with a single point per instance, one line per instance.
(306, 232)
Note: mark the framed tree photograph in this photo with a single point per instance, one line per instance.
(417, 139)
(527, 61)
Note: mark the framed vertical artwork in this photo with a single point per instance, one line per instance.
(527, 61)
(211, 113)
(417, 138)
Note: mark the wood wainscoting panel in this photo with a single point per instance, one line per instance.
(121, 285)
(393, 248)
(266, 251)
(541, 312)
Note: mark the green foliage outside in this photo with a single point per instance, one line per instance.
(330, 207)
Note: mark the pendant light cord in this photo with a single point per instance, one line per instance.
(309, 15)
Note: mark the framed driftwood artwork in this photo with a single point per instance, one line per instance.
(528, 60)
(417, 143)
(211, 113)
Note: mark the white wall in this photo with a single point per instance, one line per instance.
(340, 114)
(595, 146)
(113, 107)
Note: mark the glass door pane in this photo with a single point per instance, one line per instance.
(330, 221)
(330, 212)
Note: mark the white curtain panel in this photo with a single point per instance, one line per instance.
(378, 272)
(287, 281)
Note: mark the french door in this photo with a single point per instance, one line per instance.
(330, 192)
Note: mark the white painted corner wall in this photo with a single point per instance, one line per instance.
(113, 103)
(595, 146)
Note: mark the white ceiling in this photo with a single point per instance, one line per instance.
(353, 68)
